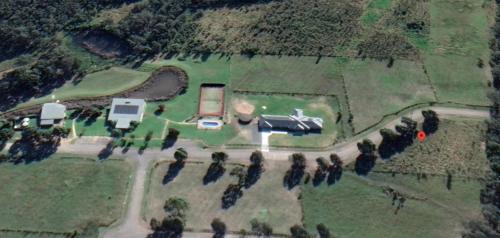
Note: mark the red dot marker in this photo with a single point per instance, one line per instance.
(421, 136)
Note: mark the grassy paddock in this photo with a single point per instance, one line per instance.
(267, 200)
(357, 207)
(62, 194)
(375, 90)
(458, 79)
(288, 74)
(459, 37)
(102, 83)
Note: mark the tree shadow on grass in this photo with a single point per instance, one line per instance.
(173, 170)
(214, 173)
(27, 152)
(254, 173)
(106, 152)
(364, 164)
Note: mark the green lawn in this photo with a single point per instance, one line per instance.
(267, 200)
(357, 207)
(458, 79)
(459, 37)
(375, 90)
(102, 83)
(185, 106)
(323, 107)
(62, 193)
(207, 137)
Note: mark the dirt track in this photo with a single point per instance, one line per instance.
(132, 225)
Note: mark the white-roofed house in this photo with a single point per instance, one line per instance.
(126, 110)
(52, 114)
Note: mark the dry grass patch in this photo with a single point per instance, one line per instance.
(457, 147)
(267, 200)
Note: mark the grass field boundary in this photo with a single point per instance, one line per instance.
(44, 233)
(430, 81)
(379, 171)
(125, 205)
(247, 92)
(420, 105)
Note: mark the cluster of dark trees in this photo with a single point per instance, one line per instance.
(35, 145)
(174, 222)
(27, 25)
(294, 175)
(329, 171)
(158, 26)
(246, 178)
(50, 71)
(393, 141)
(6, 132)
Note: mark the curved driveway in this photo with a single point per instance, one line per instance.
(133, 226)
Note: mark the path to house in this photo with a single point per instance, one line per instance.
(133, 226)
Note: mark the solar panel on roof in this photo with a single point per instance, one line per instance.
(126, 109)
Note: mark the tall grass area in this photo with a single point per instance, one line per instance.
(267, 200)
(376, 90)
(62, 194)
(102, 83)
(357, 207)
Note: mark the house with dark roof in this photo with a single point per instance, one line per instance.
(52, 114)
(296, 123)
(125, 110)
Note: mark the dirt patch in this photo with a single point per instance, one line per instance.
(164, 84)
(104, 44)
(243, 107)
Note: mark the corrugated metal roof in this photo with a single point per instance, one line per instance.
(51, 111)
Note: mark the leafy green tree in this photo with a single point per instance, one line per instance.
(176, 207)
(431, 121)
(321, 171)
(216, 168)
(219, 227)
(180, 155)
(255, 169)
(296, 172)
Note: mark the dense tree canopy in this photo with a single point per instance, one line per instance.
(25, 24)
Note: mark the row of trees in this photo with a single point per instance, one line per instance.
(393, 141)
(490, 194)
(331, 171)
(174, 223)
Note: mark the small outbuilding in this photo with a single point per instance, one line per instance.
(126, 110)
(52, 114)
